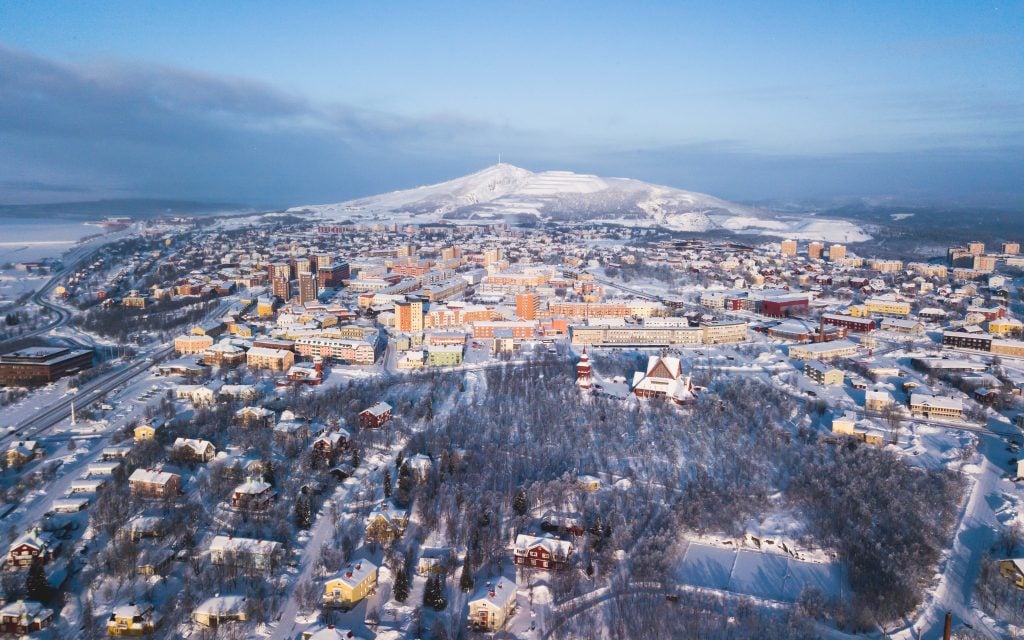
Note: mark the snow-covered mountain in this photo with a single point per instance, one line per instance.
(505, 193)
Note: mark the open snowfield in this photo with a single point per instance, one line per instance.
(756, 573)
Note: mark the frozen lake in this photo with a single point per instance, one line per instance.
(755, 573)
(22, 239)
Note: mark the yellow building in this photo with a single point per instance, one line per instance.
(273, 359)
(788, 247)
(1013, 570)
(822, 373)
(356, 580)
(133, 619)
(888, 305)
(144, 432)
(190, 344)
(726, 331)
(928, 406)
(493, 604)
(847, 426)
(1005, 326)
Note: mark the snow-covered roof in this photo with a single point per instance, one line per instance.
(497, 591)
(355, 572)
(151, 476)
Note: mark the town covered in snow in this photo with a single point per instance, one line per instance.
(290, 428)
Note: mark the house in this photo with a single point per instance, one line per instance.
(376, 416)
(386, 523)
(22, 452)
(217, 610)
(132, 619)
(31, 545)
(260, 417)
(1013, 570)
(150, 483)
(197, 394)
(492, 604)
(153, 561)
(540, 552)
(878, 400)
(145, 432)
(663, 378)
(245, 552)
(330, 632)
(70, 505)
(822, 373)
(193, 450)
(330, 443)
(355, 581)
(115, 453)
(435, 561)
(588, 483)
(419, 464)
(848, 425)
(23, 617)
(252, 495)
(562, 522)
(140, 526)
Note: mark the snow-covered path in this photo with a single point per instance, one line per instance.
(974, 536)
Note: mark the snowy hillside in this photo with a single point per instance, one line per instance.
(505, 193)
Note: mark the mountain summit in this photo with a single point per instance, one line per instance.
(506, 193)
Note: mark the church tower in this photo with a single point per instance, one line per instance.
(583, 380)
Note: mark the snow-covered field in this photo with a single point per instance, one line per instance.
(757, 573)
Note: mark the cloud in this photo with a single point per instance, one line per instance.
(116, 129)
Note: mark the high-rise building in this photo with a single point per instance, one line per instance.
(492, 256)
(280, 270)
(323, 260)
(976, 248)
(527, 305)
(409, 316)
(836, 252)
(788, 247)
(815, 250)
(450, 253)
(1011, 248)
(405, 250)
(282, 288)
(309, 287)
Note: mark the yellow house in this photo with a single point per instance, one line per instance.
(386, 523)
(1013, 570)
(492, 604)
(132, 620)
(354, 583)
(847, 426)
(144, 432)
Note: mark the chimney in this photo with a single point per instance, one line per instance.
(947, 630)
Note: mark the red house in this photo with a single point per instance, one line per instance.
(23, 617)
(376, 416)
(536, 552)
(31, 545)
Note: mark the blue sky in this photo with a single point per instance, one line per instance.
(280, 103)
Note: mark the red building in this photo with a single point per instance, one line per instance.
(540, 552)
(376, 416)
(858, 325)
